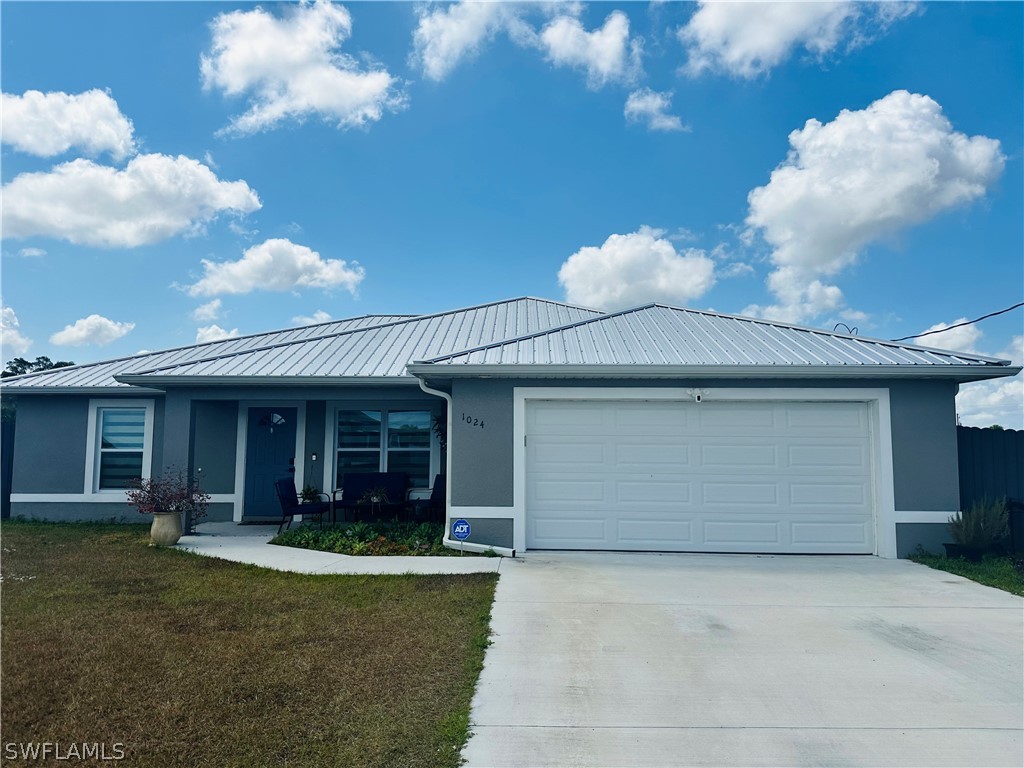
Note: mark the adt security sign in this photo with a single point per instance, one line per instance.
(461, 529)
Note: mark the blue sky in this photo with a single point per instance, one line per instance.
(179, 171)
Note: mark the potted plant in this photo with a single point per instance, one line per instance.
(167, 498)
(982, 528)
(375, 495)
(310, 494)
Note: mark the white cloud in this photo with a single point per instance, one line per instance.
(651, 107)
(633, 269)
(865, 176)
(317, 317)
(291, 68)
(983, 403)
(12, 341)
(447, 35)
(214, 333)
(962, 339)
(607, 54)
(204, 313)
(276, 265)
(31, 253)
(47, 124)
(94, 329)
(155, 197)
(747, 39)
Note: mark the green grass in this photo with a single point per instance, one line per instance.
(194, 661)
(998, 572)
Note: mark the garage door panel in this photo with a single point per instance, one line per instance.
(665, 493)
(640, 418)
(738, 417)
(735, 454)
(712, 477)
(734, 493)
(569, 490)
(838, 416)
(856, 533)
(818, 455)
(554, 453)
(654, 533)
(670, 452)
(733, 532)
(567, 529)
(828, 494)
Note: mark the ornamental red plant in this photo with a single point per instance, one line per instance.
(173, 492)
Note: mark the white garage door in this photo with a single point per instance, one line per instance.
(699, 477)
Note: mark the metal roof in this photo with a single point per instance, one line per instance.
(657, 338)
(380, 352)
(89, 376)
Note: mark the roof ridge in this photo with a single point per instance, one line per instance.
(153, 353)
(278, 345)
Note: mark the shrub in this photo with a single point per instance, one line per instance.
(983, 527)
(370, 538)
(172, 492)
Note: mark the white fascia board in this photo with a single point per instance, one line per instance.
(311, 381)
(128, 391)
(961, 373)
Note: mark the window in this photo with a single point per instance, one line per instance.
(122, 434)
(384, 441)
(120, 442)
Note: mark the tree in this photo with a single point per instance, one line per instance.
(20, 365)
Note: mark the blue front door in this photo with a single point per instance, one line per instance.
(269, 456)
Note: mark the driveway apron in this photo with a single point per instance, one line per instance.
(607, 659)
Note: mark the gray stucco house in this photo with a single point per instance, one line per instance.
(655, 428)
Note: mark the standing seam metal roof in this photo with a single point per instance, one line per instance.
(383, 350)
(656, 334)
(101, 374)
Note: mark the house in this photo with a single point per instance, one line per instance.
(653, 429)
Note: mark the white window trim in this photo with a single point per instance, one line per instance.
(331, 436)
(92, 450)
(880, 429)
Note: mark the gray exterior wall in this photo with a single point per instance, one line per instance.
(76, 512)
(929, 536)
(923, 423)
(214, 437)
(494, 532)
(194, 428)
(49, 445)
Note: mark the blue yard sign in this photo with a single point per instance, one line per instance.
(461, 529)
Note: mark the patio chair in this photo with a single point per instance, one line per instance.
(431, 509)
(291, 507)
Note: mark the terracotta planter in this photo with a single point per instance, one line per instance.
(165, 530)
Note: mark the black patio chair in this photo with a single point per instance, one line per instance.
(291, 507)
(356, 486)
(431, 509)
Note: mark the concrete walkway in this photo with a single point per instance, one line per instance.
(249, 544)
(605, 659)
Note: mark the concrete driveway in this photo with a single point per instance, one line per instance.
(602, 659)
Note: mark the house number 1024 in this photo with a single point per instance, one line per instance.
(473, 422)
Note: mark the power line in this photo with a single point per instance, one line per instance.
(961, 325)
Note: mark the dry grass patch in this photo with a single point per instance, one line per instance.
(194, 661)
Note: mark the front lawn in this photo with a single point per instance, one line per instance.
(189, 660)
(998, 572)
